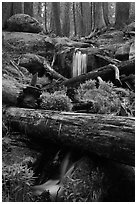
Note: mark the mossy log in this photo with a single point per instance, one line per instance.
(10, 91)
(106, 73)
(109, 136)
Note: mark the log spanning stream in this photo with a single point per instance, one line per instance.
(108, 136)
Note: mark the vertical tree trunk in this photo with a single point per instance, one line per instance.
(99, 18)
(56, 14)
(86, 7)
(9, 9)
(66, 19)
(74, 19)
(122, 13)
(93, 15)
(82, 25)
(6, 12)
(52, 24)
(105, 13)
(28, 8)
(79, 19)
(132, 12)
(17, 8)
(46, 18)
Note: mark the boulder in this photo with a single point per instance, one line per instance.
(23, 23)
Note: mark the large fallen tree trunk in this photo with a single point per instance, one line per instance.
(111, 137)
(107, 73)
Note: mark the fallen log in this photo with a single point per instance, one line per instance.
(54, 74)
(10, 91)
(107, 59)
(106, 73)
(36, 63)
(108, 136)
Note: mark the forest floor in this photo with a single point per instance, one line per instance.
(17, 149)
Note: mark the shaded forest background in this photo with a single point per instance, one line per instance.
(73, 18)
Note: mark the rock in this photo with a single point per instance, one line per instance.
(33, 63)
(23, 23)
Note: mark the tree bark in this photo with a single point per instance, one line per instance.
(99, 18)
(79, 19)
(86, 7)
(122, 13)
(6, 12)
(66, 19)
(106, 73)
(46, 30)
(55, 74)
(17, 8)
(74, 19)
(28, 8)
(105, 12)
(9, 9)
(108, 136)
(56, 14)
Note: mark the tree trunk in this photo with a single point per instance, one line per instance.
(46, 30)
(28, 8)
(132, 12)
(55, 74)
(106, 73)
(122, 14)
(66, 19)
(93, 15)
(99, 19)
(108, 136)
(82, 24)
(86, 21)
(9, 9)
(105, 13)
(56, 14)
(78, 19)
(74, 19)
(17, 8)
(6, 12)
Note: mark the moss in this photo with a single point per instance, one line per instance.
(104, 98)
(56, 101)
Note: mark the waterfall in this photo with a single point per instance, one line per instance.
(79, 64)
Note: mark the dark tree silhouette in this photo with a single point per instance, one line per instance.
(28, 8)
(17, 7)
(56, 16)
(6, 12)
(9, 9)
(122, 14)
(105, 12)
(74, 19)
(66, 19)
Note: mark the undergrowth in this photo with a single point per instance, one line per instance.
(106, 98)
(16, 182)
(58, 101)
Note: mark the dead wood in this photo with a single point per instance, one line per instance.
(108, 136)
(106, 73)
